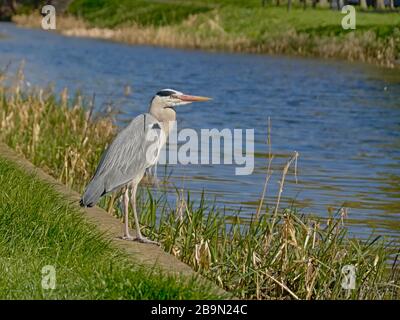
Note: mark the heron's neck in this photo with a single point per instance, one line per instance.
(164, 115)
(167, 116)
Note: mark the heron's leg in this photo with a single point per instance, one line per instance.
(111, 203)
(126, 235)
(139, 236)
(156, 181)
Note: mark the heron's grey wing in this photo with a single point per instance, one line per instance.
(129, 154)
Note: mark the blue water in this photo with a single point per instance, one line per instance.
(343, 118)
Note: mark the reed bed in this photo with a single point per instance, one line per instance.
(55, 133)
(279, 254)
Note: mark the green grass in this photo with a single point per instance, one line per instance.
(110, 14)
(38, 228)
(280, 255)
(236, 17)
(247, 26)
(260, 21)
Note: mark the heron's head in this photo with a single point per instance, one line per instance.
(164, 102)
(170, 98)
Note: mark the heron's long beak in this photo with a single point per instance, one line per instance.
(186, 97)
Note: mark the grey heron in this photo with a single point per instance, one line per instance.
(134, 150)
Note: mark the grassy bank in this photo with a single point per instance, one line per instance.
(279, 255)
(39, 228)
(242, 26)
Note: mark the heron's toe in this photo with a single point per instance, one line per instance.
(127, 237)
(145, 240)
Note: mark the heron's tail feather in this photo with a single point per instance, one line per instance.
(94, 191)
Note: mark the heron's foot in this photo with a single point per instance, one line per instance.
(143, 239)
(127, 237)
